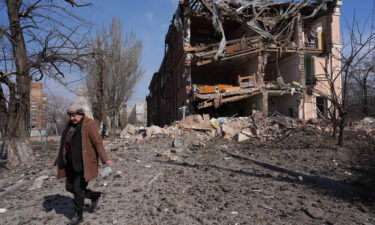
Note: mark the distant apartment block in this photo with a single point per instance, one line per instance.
(38, 106)
(134, 114)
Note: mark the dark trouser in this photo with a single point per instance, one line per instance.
(76, 184)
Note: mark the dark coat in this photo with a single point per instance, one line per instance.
(75, 148)
(92, 149)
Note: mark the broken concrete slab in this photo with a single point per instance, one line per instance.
(242, 137)
(228, 131)
(38, 183)
(249, 132)
(177, 142)
(313, 212)
(128, 130)
(154, 130)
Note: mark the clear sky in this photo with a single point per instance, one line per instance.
(149, 20)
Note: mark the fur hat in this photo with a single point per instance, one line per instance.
(75, 109)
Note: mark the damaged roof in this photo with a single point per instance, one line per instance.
(272, 21)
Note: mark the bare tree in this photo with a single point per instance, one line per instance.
(37, 40)
(364, 80)
(97, 78)
(115, 70)
(358, 46)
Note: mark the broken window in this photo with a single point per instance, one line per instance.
(286, 105)
(314, 33)
(309, 69)
(322, 107)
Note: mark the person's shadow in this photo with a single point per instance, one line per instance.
(60, 203)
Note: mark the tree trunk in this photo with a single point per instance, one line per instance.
(334, 133)
(103, 91)
(114, 120)
(3, 120)
(3, 113)
(341, 131)
(16, 134)
(365, 101)
(334, 121)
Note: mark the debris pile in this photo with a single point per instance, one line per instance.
(234, 128)
(365, 128)
(242, 128)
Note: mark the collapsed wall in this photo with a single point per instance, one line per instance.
(239, 57)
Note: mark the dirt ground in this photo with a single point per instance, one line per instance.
(300, 178)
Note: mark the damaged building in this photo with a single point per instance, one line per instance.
(239, 57)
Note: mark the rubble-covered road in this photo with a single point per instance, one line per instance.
(299, 178)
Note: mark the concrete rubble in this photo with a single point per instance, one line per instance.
(38, 183)
(238, 128)
(203, 127)
(365, 127)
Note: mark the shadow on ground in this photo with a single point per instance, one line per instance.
(363, 164)
(324, 185)
(60, 204)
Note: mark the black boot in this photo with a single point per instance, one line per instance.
(77, 219)
(94, 201)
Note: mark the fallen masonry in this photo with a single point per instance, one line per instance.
(240, 129)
